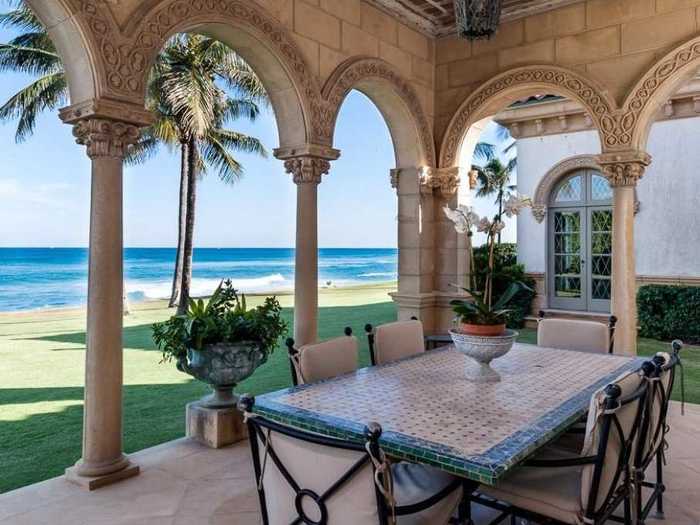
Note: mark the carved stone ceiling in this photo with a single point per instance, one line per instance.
(437, 17)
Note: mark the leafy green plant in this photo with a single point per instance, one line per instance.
(224, 318)
(477, 311)
(669, 312)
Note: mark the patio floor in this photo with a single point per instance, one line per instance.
(184, 483)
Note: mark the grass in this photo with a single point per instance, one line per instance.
(42, 366)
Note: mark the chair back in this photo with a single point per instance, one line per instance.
(661, 383)
(319, 361)
(574, 334)
(307, 478)
(613, 430)
(397, 340)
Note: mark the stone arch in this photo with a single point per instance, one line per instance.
(543, 191)
(655, 87)
(73, 45)
(516, 83)
(396, 100)
(262, 41)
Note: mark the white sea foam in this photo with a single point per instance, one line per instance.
(205, 287)
(379, 274)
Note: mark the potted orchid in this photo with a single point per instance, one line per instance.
(482, 333)
(483, 314)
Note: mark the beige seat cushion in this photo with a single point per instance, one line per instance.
(553, 492)
(394, 341)
(414, 483)
(327, 359)
(571, 334)
(317, 468)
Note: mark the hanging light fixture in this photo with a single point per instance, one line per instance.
(477, 19)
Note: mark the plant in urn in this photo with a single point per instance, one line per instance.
(482, 333)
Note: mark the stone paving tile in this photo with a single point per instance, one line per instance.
(184, 483)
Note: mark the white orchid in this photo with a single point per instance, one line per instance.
(484, 225)
(463, 217)
(515, 204)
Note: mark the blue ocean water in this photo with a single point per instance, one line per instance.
(33, 278)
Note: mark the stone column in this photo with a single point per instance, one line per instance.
(306, 165)
(103, 461)
(623, 170)
(416, 245)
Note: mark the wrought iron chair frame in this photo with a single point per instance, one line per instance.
(612, 322)
(257, 424)
(293, 353)
(617, 494)
(646, 457)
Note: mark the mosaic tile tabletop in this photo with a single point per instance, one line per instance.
(431, 413)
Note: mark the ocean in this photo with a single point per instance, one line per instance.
(36, 278)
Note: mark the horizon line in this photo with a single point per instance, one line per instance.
(203, 247)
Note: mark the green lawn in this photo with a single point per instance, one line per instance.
(42, 366)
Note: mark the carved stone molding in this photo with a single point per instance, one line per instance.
(539, 212)
(559, 80)
(625, 168)
(307, 170)
(353, 71)
(444, 180)
(106, 108)
(125, 56)
(394, 178)
(105, 138)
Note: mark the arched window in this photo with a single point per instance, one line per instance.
(580, 242)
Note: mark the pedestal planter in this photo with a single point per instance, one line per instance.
(483, 350)
(223, 366)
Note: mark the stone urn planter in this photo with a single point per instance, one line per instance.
(483, 350)
(222, 366)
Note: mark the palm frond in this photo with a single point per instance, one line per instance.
(216, 155)
(484, 151)
(239, 108)
(48, 92)
(20, 18)
(29, 60)
(143, 150)
(236, 141)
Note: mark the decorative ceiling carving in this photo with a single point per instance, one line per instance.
(437, 17)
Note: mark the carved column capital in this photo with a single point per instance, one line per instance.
(307, 170)
(624, 168)
(445, 180)
(539, 212)
(105, 138)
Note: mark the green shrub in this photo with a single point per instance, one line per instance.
(507, 270)
(669, 312)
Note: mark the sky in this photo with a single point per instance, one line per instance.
(45, 188)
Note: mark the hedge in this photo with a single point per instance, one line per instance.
(669, 312)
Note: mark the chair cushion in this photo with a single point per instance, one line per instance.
(414, 483)
(572, 334)
(394, 341)
(316, 468)
(327, 359)
(552, 492)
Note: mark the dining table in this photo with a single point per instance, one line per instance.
(432, 412)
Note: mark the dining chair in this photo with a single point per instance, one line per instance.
(392, 341)
(559, 487)
(319, 361)
(654, 443)
(304, 477)
(576, 334)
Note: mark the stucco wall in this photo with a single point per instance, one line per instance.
(536, 156)
(667, 228)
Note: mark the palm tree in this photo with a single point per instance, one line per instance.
(33, 53)
(184, 94)
(494, 178)
(196, 86)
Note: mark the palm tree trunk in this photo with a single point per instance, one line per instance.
(182, 218)
(500, 211)
(192, 161)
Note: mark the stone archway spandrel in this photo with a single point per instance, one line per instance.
(599, 105)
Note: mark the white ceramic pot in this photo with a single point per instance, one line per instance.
(483, 350)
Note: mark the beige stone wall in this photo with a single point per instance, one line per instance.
(611, 41)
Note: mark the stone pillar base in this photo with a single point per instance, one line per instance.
(214, 427)
(96, 482)
(421, 306)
